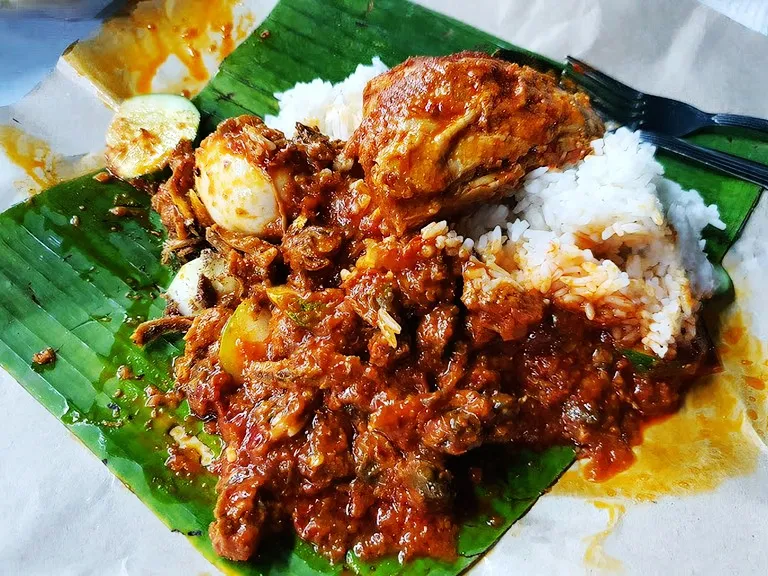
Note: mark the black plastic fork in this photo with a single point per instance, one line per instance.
(660, 121)
(638, 110)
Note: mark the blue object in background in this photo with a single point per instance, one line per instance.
(30, 47)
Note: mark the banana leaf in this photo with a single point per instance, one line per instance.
(82, 289)
(78, 279)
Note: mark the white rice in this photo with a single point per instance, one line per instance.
(609, 238)
(335, 109)
(688, 216)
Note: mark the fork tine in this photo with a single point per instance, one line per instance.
(607, 112)
(601, 89)
(610, 103)
(597, 89)
(603, 79)
(628, 115)
(613, 112)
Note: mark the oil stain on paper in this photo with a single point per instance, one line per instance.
(32, 155)
(717, 435)
(710, 440)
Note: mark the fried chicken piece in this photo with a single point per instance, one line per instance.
(441, 133)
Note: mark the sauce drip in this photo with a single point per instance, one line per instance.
(595, 556)
(125, 57)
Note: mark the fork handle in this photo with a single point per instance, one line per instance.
(738, 121)
(733, 165)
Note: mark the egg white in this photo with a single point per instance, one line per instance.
(237, 191)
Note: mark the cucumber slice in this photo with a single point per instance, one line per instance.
(184, 290)
(145, 130)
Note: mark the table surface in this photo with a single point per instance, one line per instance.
(23, 63)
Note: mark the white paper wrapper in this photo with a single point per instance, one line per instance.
(65, 514)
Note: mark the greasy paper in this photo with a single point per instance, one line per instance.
(70, 516)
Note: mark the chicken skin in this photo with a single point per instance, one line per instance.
(441, 133)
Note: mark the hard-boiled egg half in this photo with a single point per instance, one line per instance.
(232, 180)
(185, 288)
(145, 130)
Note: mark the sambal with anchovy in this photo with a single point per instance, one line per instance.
(349, 343)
